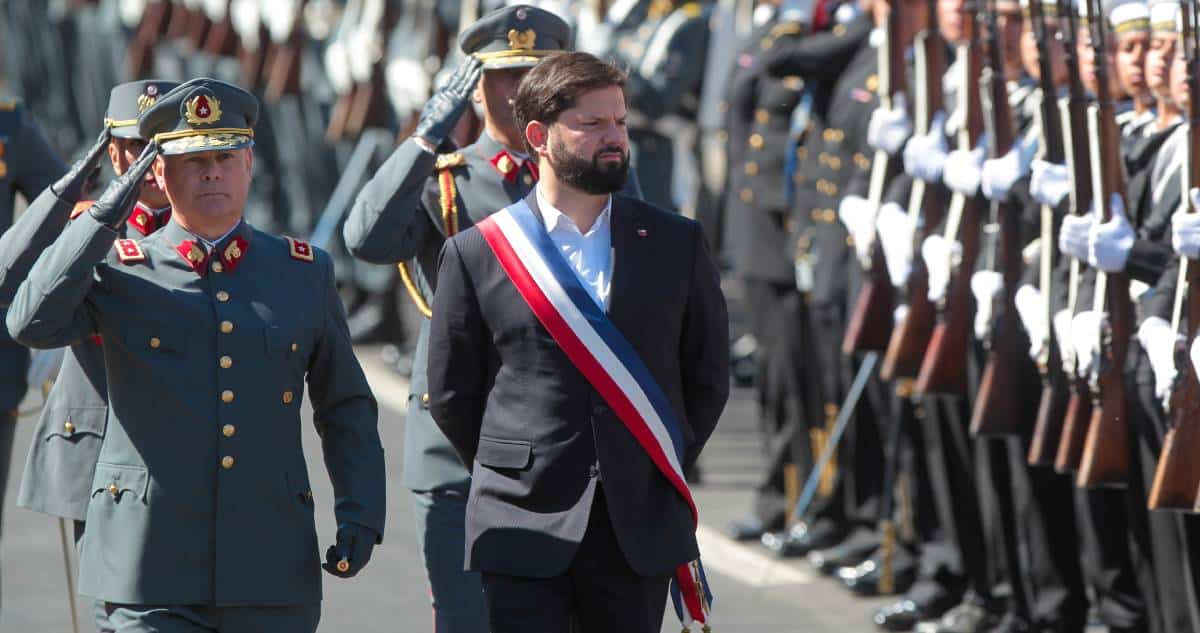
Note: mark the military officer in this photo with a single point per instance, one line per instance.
(27, 166)
(69, 431)
(425, 192)
(209, 336)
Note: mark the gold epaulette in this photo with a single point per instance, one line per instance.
(691, 9)
(446, 161)
(787, 28)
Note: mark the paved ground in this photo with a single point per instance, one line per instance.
(754, 593)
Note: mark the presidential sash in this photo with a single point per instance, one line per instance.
(593, 344)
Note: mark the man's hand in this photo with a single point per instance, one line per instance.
(1000, 174)
(1085, 338)
(1159, 340)
(1110, 242)
(925, 156)
(963, 170)
(117, 201)
(889, 128)
(1031, 307)
(69, 188)
(855, 214)
(1073, 236)
(443, 110)
(985, 285)
(352, 551)
(895, 230)
(1185, 229)
(939, 254)
(1062, 333)
(1049, 183)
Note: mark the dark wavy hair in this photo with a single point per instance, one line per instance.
(554, 85)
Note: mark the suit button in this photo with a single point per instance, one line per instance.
(227, 462)
(425, 399)
(155, 342)
(295, 347)
(752, 168)
(68, 428)
(287, 397)
(227, 396)
(756, 141)
(228, 430)
(218, 268)
(113, 489)
(226, 362)
(226, 327)
(222, 296)
(747, 195)
(762, 116)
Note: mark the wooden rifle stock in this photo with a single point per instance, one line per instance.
(222, 39)
(1176, 483)
(870, 325)
(154, 22)
(1074, 428)
(911, 337)
(1105, 460)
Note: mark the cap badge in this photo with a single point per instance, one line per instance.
(152, 90)
(521, 40)
(522, 13)
(203, 110)
(146, 100)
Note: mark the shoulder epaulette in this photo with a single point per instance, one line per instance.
(80, 207)
(446, 161)
(300, 250)
(129, 252)
(787, 28)
(692, 9)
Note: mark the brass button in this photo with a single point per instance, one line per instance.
(113, 489)
(762, 116)
(218, 267)
(226, 362)
(827, 135)
(747, 195)
(226, 327)
(839, 30)
(862, 161)
(425, 398)
(227, 462)
(68, 428)
(222, 296)
(528, 179)
(830, 216)
(228, 430)
(767, 43)
(155, 342)
(752, 169)
(287, 397)
(227, 396)
(849, 241)
(295, 347)
(872, 83)
(801, 153)
(756, 141)
(833, 190)
(835, 163)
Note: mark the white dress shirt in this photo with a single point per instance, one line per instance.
(588, 254)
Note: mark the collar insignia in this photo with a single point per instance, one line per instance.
(233, 252)
(193, 253)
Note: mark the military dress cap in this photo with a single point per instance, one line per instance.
(202, 115)
(1049, 7)
(1125, 16)
(1164, 16)
(128, 101)
(515, 37)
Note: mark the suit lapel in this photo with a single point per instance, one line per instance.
(627, 256)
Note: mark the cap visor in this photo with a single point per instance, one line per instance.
(205, 143)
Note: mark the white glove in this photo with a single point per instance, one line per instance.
(963, 170)
(43, 366)
(1185, 229)
(1049, 183)
(1110, 242)
(1031, 307)
(1194, 355)
(1159, 340)
(898, 314)
(985, 285)
(1073, 236)
(939, 255)
(925, 156)
(1085, 338)
(889, 128)
(1000, 174)
(895, 229)
(1062, 333)
(855, 212)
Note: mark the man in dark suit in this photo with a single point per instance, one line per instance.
(567, 511)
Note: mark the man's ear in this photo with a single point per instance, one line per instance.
(159, 168)
(114, 155)
(537, 134)
(249, 160)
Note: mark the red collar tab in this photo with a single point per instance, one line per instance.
(233, 252)
(533, 169)
(506, 165)
(195, 255)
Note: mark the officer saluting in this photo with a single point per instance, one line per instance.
(210, 328)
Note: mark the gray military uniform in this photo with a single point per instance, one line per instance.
(201, 468)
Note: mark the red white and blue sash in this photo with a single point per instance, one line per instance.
(594, 345)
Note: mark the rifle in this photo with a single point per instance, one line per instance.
(911, 337)
(997, 407)
(153, 25)
(281, 68)
(1074, 112)
(944, 367)
(1177, 476)
(1047, 429)
(221, 40)
(1105, 460)
(870, 324)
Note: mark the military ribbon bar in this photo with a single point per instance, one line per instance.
(606, 359)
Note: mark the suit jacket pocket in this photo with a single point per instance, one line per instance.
(120, 483)
(74, 423)
(498, 453)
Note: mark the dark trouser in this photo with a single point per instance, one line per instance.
(599, 586)
(457, 595)
(135, 618)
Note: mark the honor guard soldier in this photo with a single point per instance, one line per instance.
(57, 477)
(200, 514)
(27, 166)
(424, 193)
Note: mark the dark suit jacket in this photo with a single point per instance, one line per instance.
(534, 432)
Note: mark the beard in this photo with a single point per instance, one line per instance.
(589, 176)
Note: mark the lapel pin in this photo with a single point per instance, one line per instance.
(642, 233)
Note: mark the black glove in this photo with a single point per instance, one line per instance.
(117, 201)
(352, 551)
(69, 188)
(443, 110)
